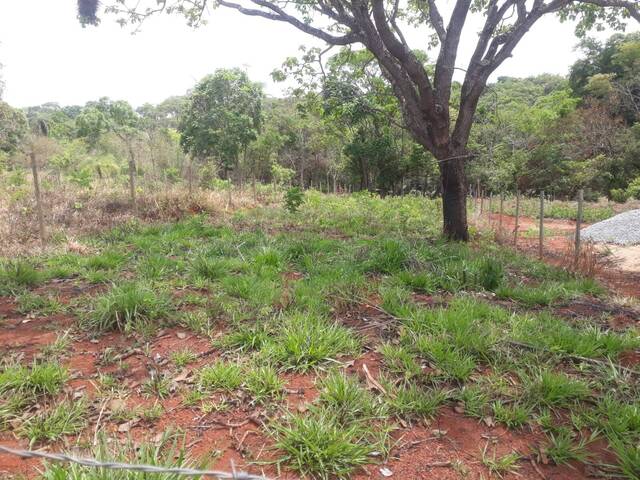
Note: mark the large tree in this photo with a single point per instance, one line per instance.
(221, 117)
(424, 93)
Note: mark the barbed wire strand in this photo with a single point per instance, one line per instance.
(91, 462)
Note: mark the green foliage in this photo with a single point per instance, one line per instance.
(66, 418)
(13, 128)
(264, 384)
(47, 378)
(220, 375)
(551, 389)
(306, 340)
(127, 307)
(293, 199)
(222, 116)
(167, 451)
(318, 445)
(17, 274)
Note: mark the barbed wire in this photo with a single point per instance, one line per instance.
(91, 462)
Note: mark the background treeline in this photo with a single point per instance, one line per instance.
(340, 129)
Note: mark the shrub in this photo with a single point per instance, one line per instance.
(293, 199)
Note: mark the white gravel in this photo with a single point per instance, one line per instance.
(623, 229)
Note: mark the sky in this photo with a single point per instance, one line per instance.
(48, 57)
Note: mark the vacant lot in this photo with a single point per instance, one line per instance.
(343, 341)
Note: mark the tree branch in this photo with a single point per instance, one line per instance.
(280, 15)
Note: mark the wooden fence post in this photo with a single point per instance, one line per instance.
(541, 244)
(36, 189)
(578, 224)
(501, 212)
(490, 208)
(517, 225)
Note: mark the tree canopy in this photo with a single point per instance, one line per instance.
(222, 116)
(424, 91)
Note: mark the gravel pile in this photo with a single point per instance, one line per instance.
(623, 229)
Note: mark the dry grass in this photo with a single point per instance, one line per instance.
(71, 212)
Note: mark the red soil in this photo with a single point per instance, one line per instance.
(444, 449)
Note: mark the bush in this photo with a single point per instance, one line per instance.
(633, 190)
(293, 198)
(619, 195)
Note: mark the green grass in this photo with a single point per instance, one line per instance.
(305, 341)
(46, 378)
(16, 275)
(415, 402)
(553, 389)
(182, 358)
(65, 418)
(278, 302)
(28, 302)
(500, 465)
(347, 399)
(220, 375)
(127, 307)
(562, 447)
(168, 451)
(316, 444)
(264, 384)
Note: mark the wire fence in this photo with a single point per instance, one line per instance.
(91, 462)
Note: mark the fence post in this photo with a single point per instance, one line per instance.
(541, 245)
(578, 224)
(36, 189)
(501, 212)
(517, 225)
(476, 210)
(490, 208)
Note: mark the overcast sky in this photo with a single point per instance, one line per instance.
(49, 57)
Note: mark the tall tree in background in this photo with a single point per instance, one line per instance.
(116, 117)
(424, 94)
(221, 117)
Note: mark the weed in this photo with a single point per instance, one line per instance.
(551, 389)
(319, 446)
(127, 307)
(413, 401)
(562, 448)
(500, 466)
(264, 384)
(165, 451)
(513, 415)
(347, 399)
(32, 303)
(183, 357)
(66, 418)
(220, 375)
(18, 274)
(400, 360)
(628, 455)
(307, 340)
(45, 378)
(453, 362)
(474, 400)
(59, 347)
(157, 385)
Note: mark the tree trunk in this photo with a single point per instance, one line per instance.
(454, 194)
(36, 189)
